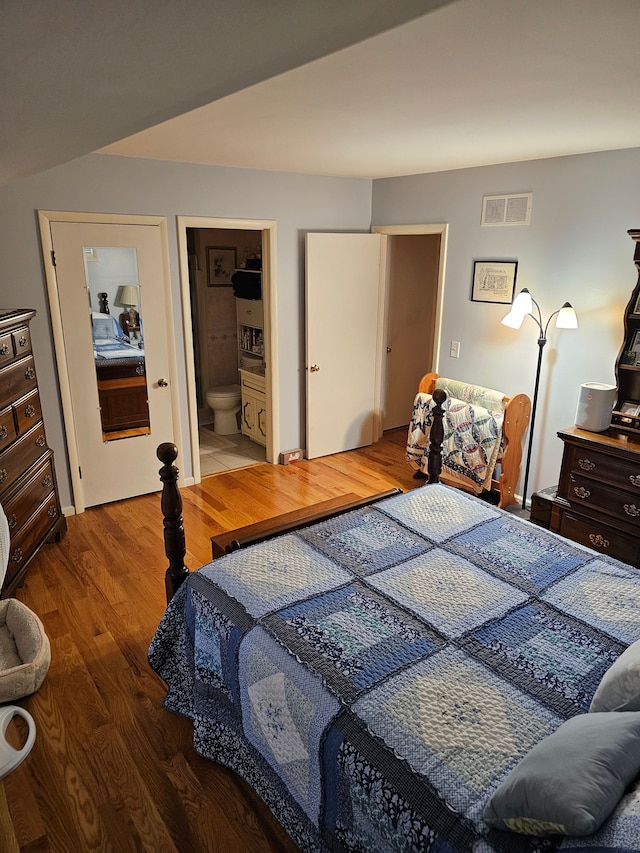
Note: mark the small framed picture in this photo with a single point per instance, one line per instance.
(221, 265)
(630, 409)
(494, 281)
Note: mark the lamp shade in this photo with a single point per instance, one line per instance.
(522, 305)
(567, 318)
(128, 296)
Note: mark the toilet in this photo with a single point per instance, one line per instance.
(225, 401)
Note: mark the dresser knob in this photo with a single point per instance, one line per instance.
(46, 481)
(4, 432)
(12, 520)
(29, 373)
(632, 509)
(52, 511)
(581, 492)
(634, 479)
(23, 341)
(598, 541)
(586, 465)
(4, 349)
(3, 475)
(29, 411)
(17, 555)
(40, 441)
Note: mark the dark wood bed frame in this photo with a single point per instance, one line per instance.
(171, 504)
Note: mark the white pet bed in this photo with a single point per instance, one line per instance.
(25, 652)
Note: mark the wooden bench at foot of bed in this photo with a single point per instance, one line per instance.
(517, 411)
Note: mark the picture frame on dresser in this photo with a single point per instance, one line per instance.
(28, 486)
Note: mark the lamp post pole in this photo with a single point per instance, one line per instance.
(542, 340)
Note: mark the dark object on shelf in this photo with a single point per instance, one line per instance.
(247, 284)
(28, 489)
(626, 412)
(541, 503)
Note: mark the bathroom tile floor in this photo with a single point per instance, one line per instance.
(225, 452)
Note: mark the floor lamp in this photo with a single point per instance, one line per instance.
(523, 305)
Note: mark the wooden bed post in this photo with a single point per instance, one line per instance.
(174, 542)
(436, 437)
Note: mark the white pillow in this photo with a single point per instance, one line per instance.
(619, 689)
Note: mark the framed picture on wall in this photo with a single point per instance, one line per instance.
(494, 281)
(221, 264)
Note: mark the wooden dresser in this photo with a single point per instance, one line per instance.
(598, 497)
(28, 489)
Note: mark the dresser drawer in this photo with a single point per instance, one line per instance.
(20, 506)
(601, 466)
(623, 506)
(16, 380)
(6, 349)
(250, 312)
(31, 536)
(594, 534)
(7, 427)
(21, 342)
(28, 411)
(20, 455)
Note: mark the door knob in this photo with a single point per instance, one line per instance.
(314, 368)
(388, 349)
(162, 383)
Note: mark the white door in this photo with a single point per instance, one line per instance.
(343, 281)
(116, 353)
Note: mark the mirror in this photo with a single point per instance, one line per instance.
(117, 332)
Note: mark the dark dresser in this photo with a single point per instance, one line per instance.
(598, 497)
(28, 488)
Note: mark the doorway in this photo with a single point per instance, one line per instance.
(226, 278)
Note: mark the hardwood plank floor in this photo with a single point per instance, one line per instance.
(110, 769)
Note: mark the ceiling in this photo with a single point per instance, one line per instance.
(473, 82)
(80, 74)
(366, 88)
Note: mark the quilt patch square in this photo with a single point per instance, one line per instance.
(438, 512)
(365, 541)
(273, 574)
(605, 594)
(524, 555)
(448, 592)
(285, 710)
(451, 724)
(352, 637)
(554, 658)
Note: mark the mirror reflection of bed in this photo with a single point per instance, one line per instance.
(121, 375)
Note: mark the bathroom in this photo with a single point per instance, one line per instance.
(215, 256)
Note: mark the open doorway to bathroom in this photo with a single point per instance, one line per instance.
(225, 283)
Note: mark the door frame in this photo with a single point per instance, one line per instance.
(45, 218)
(268, 229)
(441, 228)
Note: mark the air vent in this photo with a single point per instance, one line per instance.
(513, 209)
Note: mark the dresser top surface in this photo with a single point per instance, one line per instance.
(12, 316)
(612, 439)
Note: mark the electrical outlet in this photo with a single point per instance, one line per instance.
(454, 350)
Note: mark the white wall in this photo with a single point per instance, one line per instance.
(99, 183)
(576, 249)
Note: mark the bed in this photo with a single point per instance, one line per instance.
(120, 370)
(381, 677)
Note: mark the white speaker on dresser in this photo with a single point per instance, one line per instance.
(595, 405)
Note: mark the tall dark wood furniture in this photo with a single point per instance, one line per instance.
(28, 489)
(598, 498)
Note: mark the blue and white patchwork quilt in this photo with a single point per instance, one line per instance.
(376, 676)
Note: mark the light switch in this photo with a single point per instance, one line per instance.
(454, 351)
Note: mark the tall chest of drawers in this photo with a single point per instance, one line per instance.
(28, 489)
(598, 497)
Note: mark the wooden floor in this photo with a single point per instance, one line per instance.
(110, 769)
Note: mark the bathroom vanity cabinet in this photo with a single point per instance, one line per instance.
(254, 406)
